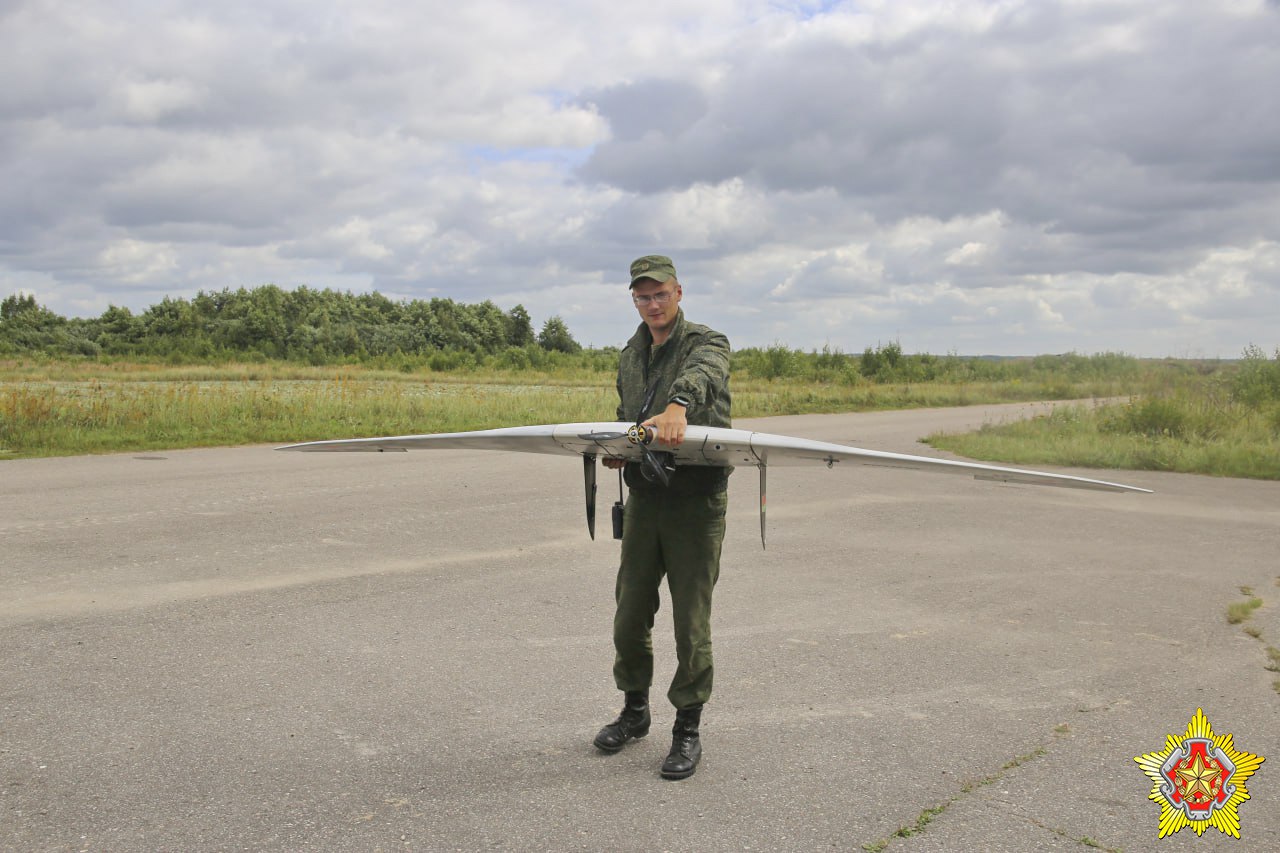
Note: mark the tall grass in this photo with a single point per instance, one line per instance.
(191, 407)
(1180, 416)
(101, 417)
(1227, 425)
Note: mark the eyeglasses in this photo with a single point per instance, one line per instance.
(662, 297)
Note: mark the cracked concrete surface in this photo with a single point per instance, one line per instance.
(240, 649)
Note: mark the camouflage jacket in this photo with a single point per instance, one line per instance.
(693, 363)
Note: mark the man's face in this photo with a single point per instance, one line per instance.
(658, 316)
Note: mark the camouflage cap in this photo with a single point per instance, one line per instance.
(657, 267)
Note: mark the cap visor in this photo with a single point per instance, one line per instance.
(659, 277)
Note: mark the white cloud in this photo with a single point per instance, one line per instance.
(1008, 176)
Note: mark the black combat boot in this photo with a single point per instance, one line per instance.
(633, 722)
(686, 748)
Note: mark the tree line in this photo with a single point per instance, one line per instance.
(309, 325)
(335, 327)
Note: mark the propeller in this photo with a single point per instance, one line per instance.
(658, 465)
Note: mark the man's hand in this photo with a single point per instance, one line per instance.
(670, 425)
(613, 462)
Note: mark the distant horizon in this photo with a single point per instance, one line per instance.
(1270, 345)
(854, 351)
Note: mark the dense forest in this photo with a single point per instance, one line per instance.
(315, 326)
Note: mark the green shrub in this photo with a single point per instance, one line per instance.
(446, 361)
(1258, 380)
(1177, 416)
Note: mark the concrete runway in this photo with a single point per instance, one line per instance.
(238, 649)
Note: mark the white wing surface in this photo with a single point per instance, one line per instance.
(702, 446)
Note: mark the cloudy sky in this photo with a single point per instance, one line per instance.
(970, 176)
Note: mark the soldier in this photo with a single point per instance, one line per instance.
(680, 371)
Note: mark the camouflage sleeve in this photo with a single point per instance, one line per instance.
(622, 415)
(705, 370)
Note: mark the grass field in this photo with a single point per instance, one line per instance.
(1242, 443)
(60, 408)
(1225, 424)
(1177, 419)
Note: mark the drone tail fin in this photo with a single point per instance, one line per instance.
(589, 480)
(762, 505)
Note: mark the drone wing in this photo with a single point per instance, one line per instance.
(702, 446)
(526, 439)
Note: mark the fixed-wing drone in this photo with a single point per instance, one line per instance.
(701, 446)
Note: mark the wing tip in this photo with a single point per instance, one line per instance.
(1037, 478)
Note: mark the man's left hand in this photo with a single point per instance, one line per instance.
(670, 425)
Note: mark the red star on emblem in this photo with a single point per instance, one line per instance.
(1198, 778)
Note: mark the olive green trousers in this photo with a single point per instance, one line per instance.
(677, 537)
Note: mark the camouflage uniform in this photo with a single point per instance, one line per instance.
(674, 531)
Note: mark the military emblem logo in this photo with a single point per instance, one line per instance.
(1199, 780)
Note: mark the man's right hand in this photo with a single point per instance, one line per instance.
(614, 462)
